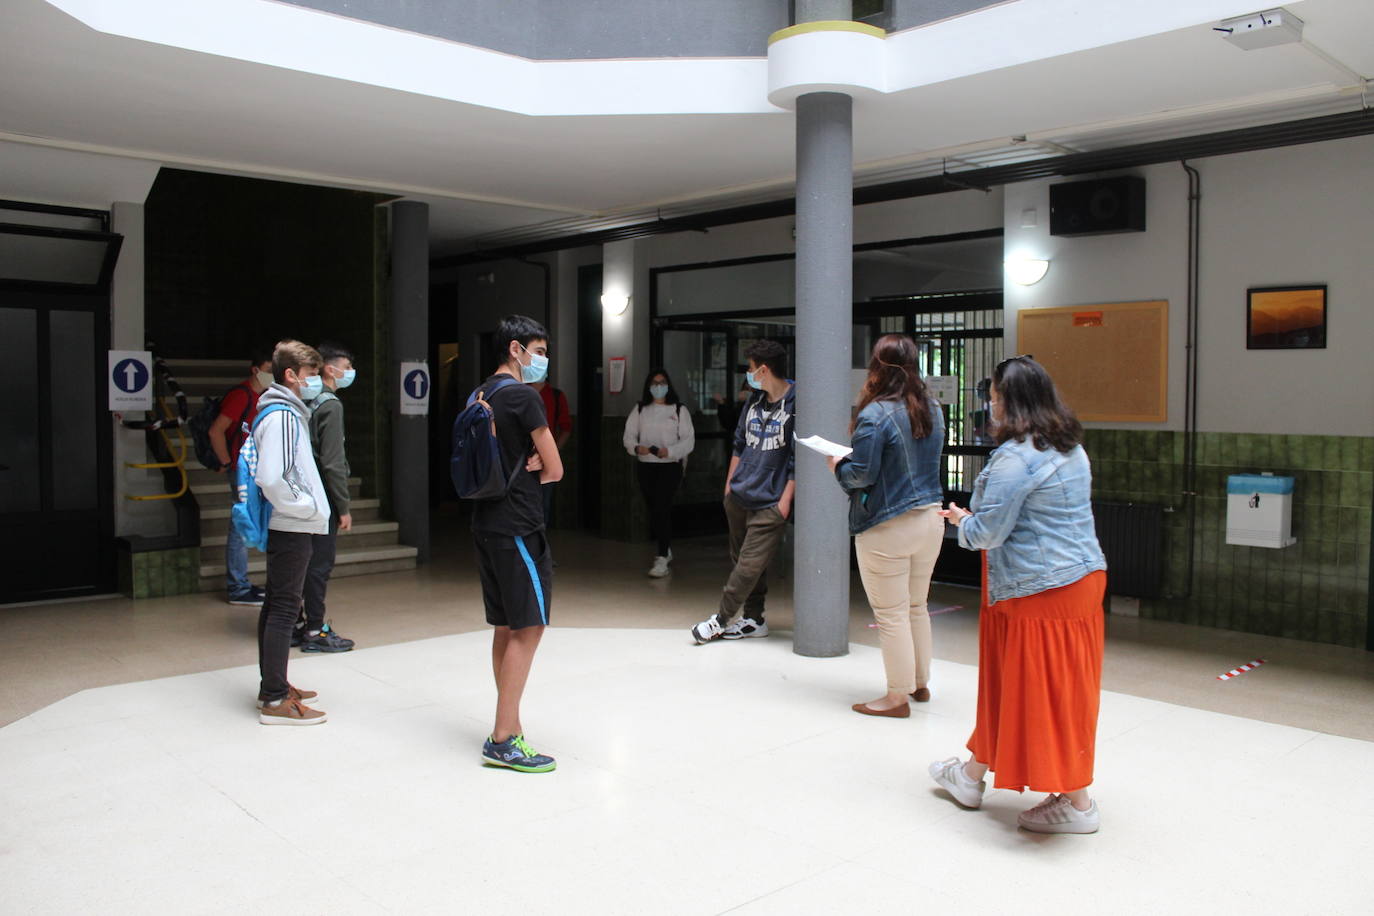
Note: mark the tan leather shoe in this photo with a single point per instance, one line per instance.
(896, 712)
(295, 693)
(290, 712)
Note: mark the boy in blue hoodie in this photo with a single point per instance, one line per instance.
(758, 494)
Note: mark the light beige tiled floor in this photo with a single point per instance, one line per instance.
(48, 652)
(692, 779)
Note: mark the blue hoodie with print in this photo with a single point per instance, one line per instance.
(765, 443)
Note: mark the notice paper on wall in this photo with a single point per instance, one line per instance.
(826, 447)
(615, 379)
(943, 388)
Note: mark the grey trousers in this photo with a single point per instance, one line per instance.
(754, 538)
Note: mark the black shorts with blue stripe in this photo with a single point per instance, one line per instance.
(517, 578)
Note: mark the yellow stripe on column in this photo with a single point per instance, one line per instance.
(827, 25)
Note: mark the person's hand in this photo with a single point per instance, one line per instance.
(785, 506)
(833, 462)
(658, 451)
(954, 514)
(718, 398)
(534, 463)
(727, 488)
(642, 450)
(345, 522)
(222, 468)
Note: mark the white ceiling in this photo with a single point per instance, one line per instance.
(489, 173)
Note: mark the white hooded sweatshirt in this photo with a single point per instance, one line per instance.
(287, 474)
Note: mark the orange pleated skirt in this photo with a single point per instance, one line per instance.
(1039, 683)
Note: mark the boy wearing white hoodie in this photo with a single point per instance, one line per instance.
(290, 481)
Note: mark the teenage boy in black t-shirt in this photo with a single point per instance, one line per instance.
(513, 556)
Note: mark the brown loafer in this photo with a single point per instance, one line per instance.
(896, 712)
(922, 695)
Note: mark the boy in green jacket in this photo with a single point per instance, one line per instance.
(313, 634)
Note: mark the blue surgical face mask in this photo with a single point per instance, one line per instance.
(536, 370)
(658, 391)
(347, 379)
(753, 382)
(311, 387)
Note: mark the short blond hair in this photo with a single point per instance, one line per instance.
(293, 355)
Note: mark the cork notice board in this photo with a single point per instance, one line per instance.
(1110, 362)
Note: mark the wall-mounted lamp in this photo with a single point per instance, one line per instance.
(1026, 271)
(614, 304)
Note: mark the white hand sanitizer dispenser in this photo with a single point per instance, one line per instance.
(1259, 510)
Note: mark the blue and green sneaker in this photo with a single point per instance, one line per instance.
(516, 754)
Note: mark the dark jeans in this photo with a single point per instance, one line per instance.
(754, 538)
(288, 559)
(659, 483)
(322, 550)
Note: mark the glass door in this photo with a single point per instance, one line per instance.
(56, 516)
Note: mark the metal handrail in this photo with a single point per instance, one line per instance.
(179, 462)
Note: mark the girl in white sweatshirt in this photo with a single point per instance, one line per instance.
(660, 435)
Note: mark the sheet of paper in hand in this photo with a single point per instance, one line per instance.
(826, 447)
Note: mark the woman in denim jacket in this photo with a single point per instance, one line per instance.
(1041, 628)
(893, 481)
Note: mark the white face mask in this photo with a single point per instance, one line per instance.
(265, 379)
(658, 391)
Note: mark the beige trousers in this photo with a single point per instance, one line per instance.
(896, 560)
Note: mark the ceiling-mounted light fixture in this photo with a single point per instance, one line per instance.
(614, 304)
(1026, 271)
(1261, 30)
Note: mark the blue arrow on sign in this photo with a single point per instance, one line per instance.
(130, 375)
(417, 384)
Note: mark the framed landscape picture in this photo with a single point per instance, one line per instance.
(1286, 318)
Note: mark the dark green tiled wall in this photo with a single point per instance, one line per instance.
(160, 573)
(1317, 590)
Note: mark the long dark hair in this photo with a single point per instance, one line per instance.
(1031, 406)
(893, 376)
(646, 399)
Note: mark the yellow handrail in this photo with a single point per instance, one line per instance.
(179, 462)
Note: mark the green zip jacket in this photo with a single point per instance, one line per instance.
(327, 439)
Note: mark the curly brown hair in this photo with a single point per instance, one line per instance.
(1031, 406)
(893, 376)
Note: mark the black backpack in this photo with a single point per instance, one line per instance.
(476, 466)
(203, 419)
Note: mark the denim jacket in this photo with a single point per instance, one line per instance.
(889, 472)
(1032, 513)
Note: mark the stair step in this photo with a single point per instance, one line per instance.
(368, 534)
(214, 495)
(215, 522)
(357, 505)
(346, 563)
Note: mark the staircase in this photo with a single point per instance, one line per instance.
(371, 546)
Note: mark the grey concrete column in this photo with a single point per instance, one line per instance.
(825, 283)
(823, 10)
(409, 342)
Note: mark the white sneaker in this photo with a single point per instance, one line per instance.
(1057, 814)
(950, 776)
(745, 628)
(660, 568)
(707, 630)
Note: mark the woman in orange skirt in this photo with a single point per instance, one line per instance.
(1040, 629)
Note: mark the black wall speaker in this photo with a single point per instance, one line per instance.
(1098, 207)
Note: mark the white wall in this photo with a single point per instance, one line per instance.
(625, 272)
(149, 518)
(1279, 217)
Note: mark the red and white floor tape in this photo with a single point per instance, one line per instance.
(1237, 672)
